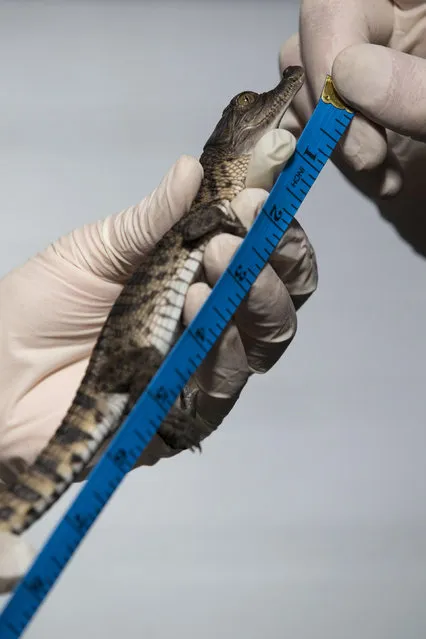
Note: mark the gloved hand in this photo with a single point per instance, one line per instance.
(53, 307)
(375, 52)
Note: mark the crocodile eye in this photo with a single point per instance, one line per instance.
(246, 98)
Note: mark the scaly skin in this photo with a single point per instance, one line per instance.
(145, 320)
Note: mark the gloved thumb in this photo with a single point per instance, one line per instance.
(386, 86)
(111, 248)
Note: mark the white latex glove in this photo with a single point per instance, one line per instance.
(375, 52)
(53, 307)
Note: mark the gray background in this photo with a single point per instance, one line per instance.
(305, 516)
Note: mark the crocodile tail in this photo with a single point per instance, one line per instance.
(84, 428)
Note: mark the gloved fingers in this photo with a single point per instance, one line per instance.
(266, 318)
(394, 96)
(295, 263)
(365, 145)
(307, 98)
(224, 372)
(327, 27)
(382, 181)
(269, 157)
(294, 259)
(387, 86)
(113, 247)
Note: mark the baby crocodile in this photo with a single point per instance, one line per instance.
(143, 325)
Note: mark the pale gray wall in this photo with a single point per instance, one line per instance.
(306, 515)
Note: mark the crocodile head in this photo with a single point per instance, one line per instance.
(250, 115)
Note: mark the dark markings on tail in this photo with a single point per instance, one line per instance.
(6, 513)
(47, 467)
(77, 459)
(25, 493)
(121, 308)
(70, 434)
(139, 277)
(83, 400)
(98, 416)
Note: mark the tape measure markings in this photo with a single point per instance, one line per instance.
(183, 359)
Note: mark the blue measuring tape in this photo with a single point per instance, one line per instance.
(327, 124)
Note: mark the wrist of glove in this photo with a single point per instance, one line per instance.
(54, 306)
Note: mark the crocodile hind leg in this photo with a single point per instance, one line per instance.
(180, 430)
